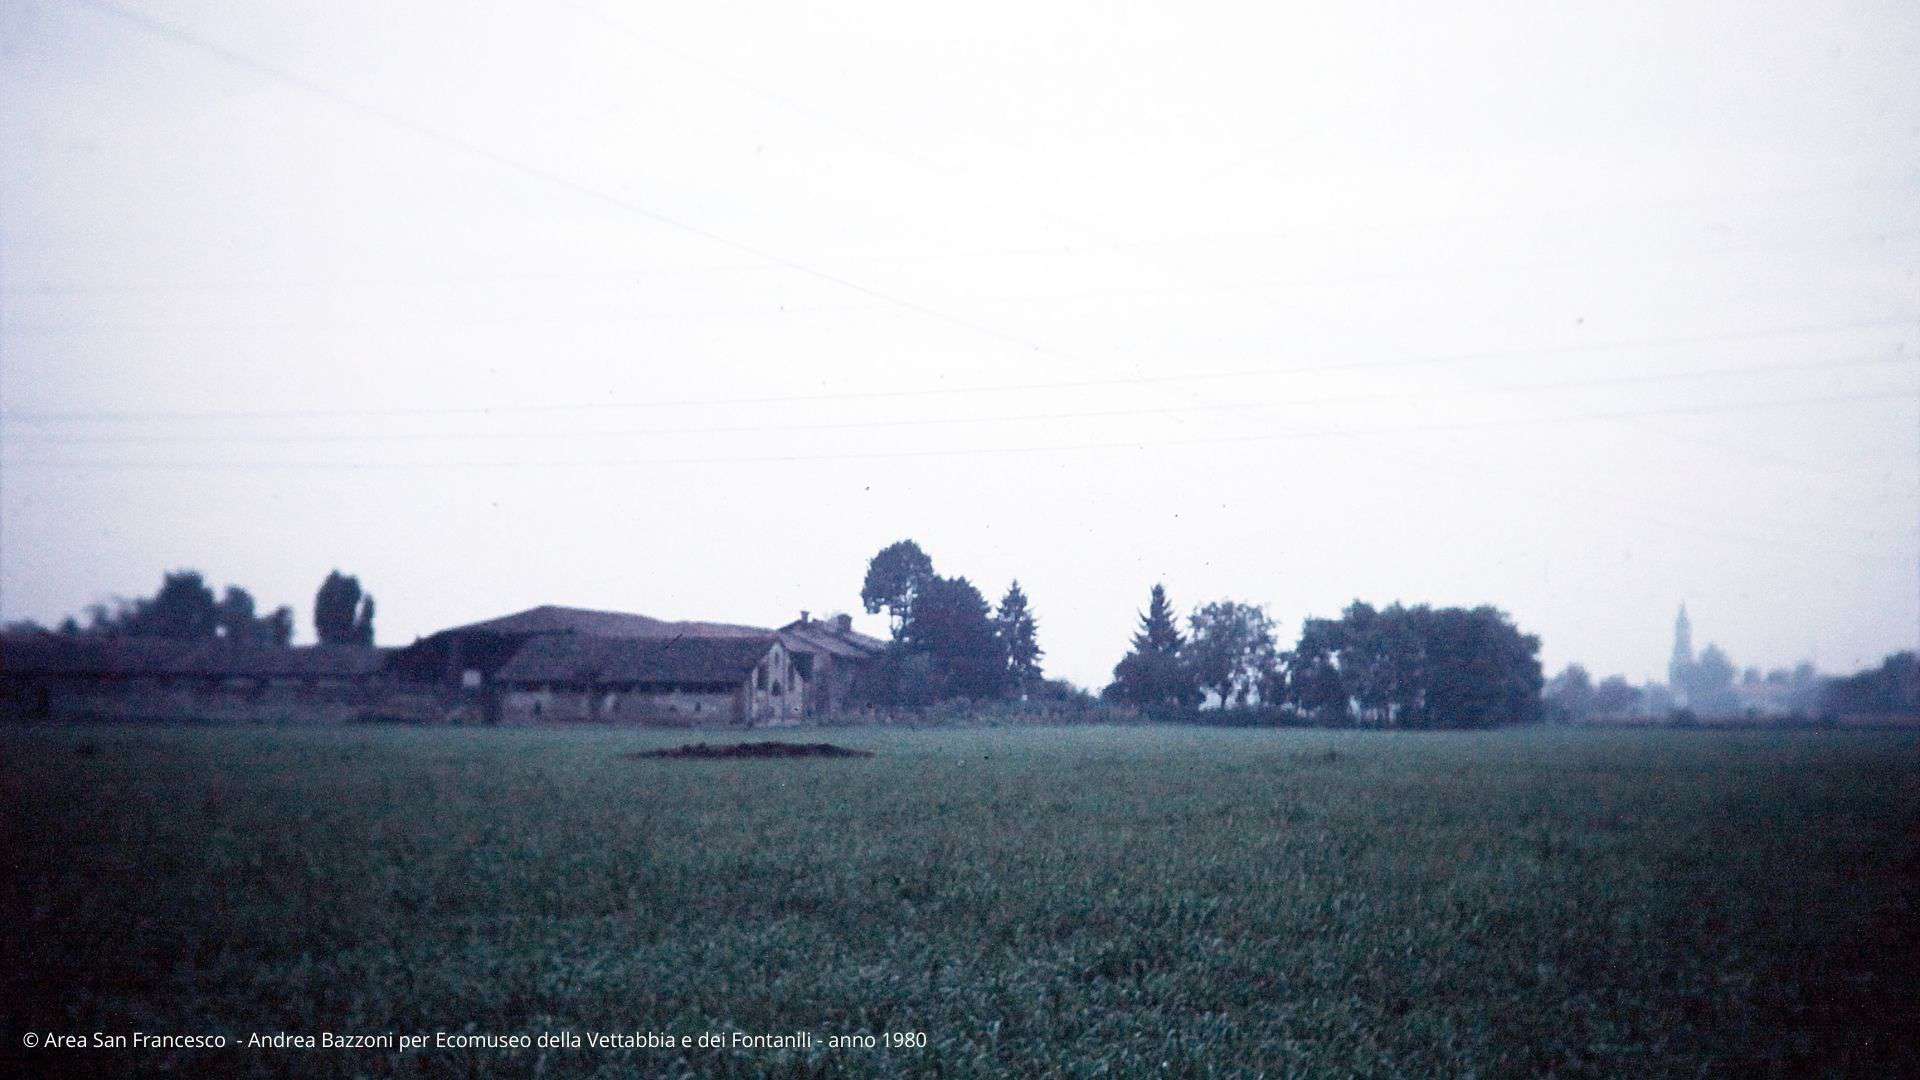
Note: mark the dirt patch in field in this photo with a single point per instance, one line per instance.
(753, 750)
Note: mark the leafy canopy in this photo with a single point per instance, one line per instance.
(342, 613)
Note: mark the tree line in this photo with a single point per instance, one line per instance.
(1399, 666)
(185, 608)
(1415, 667)
(948, 642)
(1892, 689)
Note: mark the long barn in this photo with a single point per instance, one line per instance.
(551, 663)
(686, 681)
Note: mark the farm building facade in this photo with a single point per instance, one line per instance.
(674, 681)
(552, 663)
(544, 665)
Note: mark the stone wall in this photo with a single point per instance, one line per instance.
(663, 708)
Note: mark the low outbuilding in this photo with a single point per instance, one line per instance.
(138, 678)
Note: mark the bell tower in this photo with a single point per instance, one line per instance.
(1681, 665)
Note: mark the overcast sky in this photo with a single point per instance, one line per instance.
(688, 309)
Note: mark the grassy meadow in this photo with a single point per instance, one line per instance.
(1082, 901)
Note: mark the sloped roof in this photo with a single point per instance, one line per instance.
(578, 658)
(303, 661)
(553, 619)
(823, 637)
(60, 654)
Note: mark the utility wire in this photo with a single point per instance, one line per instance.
(168, 31)
(1875, 238)
(1906, 395)
(1100, 236)
(785, 101)
(119, 416)
(1765, 537)
(1222, 288)
(852, 425)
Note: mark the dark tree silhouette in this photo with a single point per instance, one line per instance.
(342, 614)
(1158, 632)
(363, 622)
(1231, 651)
(1615, 696)
(1570, 695)
(949, 624)
(239, 624)
(183, 609)
(1316, 685)
(1415, 667)
(1019, 639)
(237, 621)
(1892, 689)
(277, 628)
(1154, 674)
(894, 577)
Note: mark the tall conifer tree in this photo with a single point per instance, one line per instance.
(1019, 637)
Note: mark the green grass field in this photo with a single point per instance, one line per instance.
(1086, 901)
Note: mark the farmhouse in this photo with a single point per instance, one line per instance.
(831, 656)
(685, 681)
(554, 663)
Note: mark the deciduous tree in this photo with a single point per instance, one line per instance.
(342, 614)
(1570, 694)
(1615, 696)
(183, 609)
(1231, 651)
(1415, 667)
(894, 577)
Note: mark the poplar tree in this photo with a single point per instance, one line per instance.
(342, 614)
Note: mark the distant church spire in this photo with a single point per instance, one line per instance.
(1681, 665)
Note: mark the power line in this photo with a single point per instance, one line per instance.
(259, 67)
(1764, 538)
(82, 288)
(1096, 233)
(1217, 288)
(431, 134)
(785, 101)
(851, 425)
(1906, 395)
(113, 416)
(1874, 238)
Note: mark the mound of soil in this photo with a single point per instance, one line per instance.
(753, 750)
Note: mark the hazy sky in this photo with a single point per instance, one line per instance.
(688, 309)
